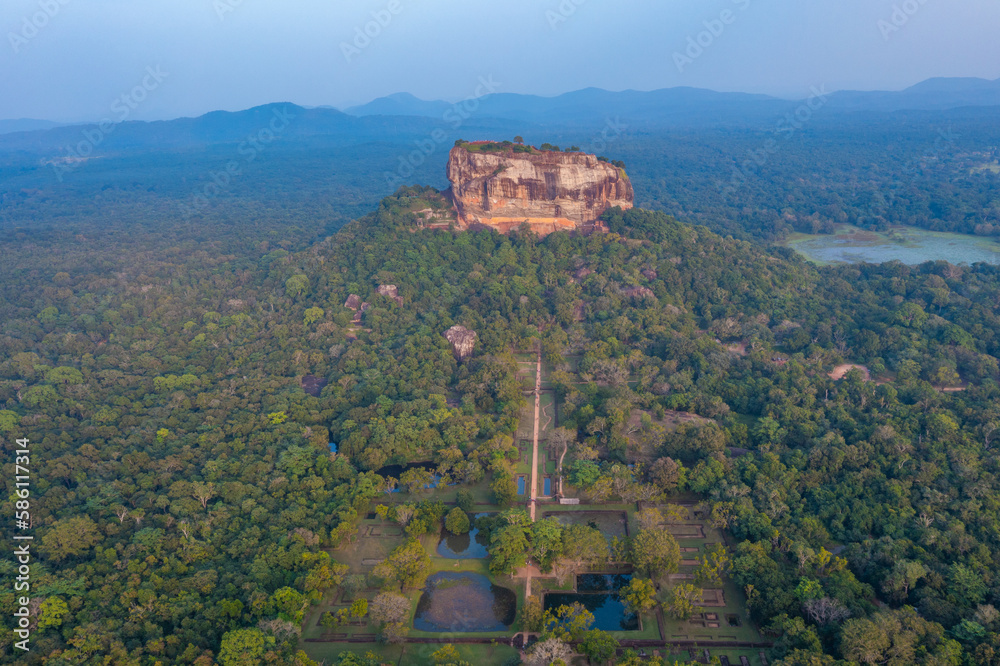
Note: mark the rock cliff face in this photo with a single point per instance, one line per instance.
(551, 191)
(463, 341)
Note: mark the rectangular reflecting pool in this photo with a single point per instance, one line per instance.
(520, 485)
(464, 602)
(598, 593)
(609, 612)
(547, 487)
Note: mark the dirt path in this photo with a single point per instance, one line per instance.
(548, 417)
(841, 370)
(561, 458)
(534, 448)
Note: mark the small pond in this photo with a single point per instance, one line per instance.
(520, 485)
(609, 612)
(601, 582)
(547, 487)
(907, 244)
(464, 602)
(469, 546)
(396, 470)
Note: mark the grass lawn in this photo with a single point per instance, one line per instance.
(412, 653)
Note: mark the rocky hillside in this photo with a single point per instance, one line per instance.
(549, 190)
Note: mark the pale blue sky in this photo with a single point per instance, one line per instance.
(233, 54)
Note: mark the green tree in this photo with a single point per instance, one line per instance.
(599, 646)
(64, 375)
(901, 579)
(297, 285)
(51, 613)
(509, 545)
(244, 647)
(712, 566)
(290, 604)
(532, 614)
(567, 622)
(639, 596)
(447, 654)
(9, 421)
(896, 638)
(407, 565)
(70, 537)
(682, 601)
(457, 521)
(655, 553)
(359, 608)
(314, 315)
(546, 542)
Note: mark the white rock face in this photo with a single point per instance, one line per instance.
(463, 341)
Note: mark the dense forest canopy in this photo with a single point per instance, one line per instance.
(185, 488)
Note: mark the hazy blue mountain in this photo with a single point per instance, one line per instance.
(400, 104)
(932, 94)
(26, 125)
(683, 106)
(589, 106)
(282, 121)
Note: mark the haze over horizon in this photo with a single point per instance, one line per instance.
(232, 55)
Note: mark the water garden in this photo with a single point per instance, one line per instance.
(434, 566)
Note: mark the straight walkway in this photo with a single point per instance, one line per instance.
(534, 449)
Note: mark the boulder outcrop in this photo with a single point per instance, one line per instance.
(463, 341)
(548, 190)
(390, 291)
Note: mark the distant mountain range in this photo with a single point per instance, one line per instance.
(930, 95)
(687, 103)
(588, 107)
(404, 120)
(25, 125)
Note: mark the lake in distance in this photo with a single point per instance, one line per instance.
(907, 244)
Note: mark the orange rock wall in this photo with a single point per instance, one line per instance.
(550, 191)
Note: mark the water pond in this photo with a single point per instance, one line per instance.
(464, 602)
(520, 485)
(396, 470)
(906, 244)
(601, 582)
(598, 593)
(469, 546)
